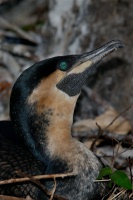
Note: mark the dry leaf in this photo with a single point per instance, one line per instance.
(119, 126)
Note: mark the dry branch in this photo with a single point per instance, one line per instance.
(38, 177)
(35, 180)
(4, 197)
(53, 190)
(46, 191)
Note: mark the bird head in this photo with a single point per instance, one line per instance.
(44, 96)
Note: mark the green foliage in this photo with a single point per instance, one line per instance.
(121, 179)
(104, 172)
(118, 177)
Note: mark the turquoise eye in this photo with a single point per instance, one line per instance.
(63, 66)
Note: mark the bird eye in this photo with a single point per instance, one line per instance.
(63, 66)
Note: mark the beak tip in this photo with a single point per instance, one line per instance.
(98, 54)
(118, 44)
(121, 46)
(113, 45)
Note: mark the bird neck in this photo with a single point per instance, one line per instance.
(43, 116)
(52, 119)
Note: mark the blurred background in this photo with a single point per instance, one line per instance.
(32, 30)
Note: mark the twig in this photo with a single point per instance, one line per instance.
(130, 167)
(124, 150)
(126, 139)
(35, 180)
(38, 177)
(118, 194)
(131, 195)
(115, 154)
(120, 114)
(46, 191)
(102, 180)
(112, 157)
(4, 197)
(109, 193)
(100, 132)
(53, 190)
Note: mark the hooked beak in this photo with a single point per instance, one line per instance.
(84, 66)
(90, 59)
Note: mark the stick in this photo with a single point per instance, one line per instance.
(38, 177)
(4, 197)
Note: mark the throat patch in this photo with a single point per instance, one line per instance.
(72, 84)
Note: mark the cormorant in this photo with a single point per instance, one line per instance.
(42, 103)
